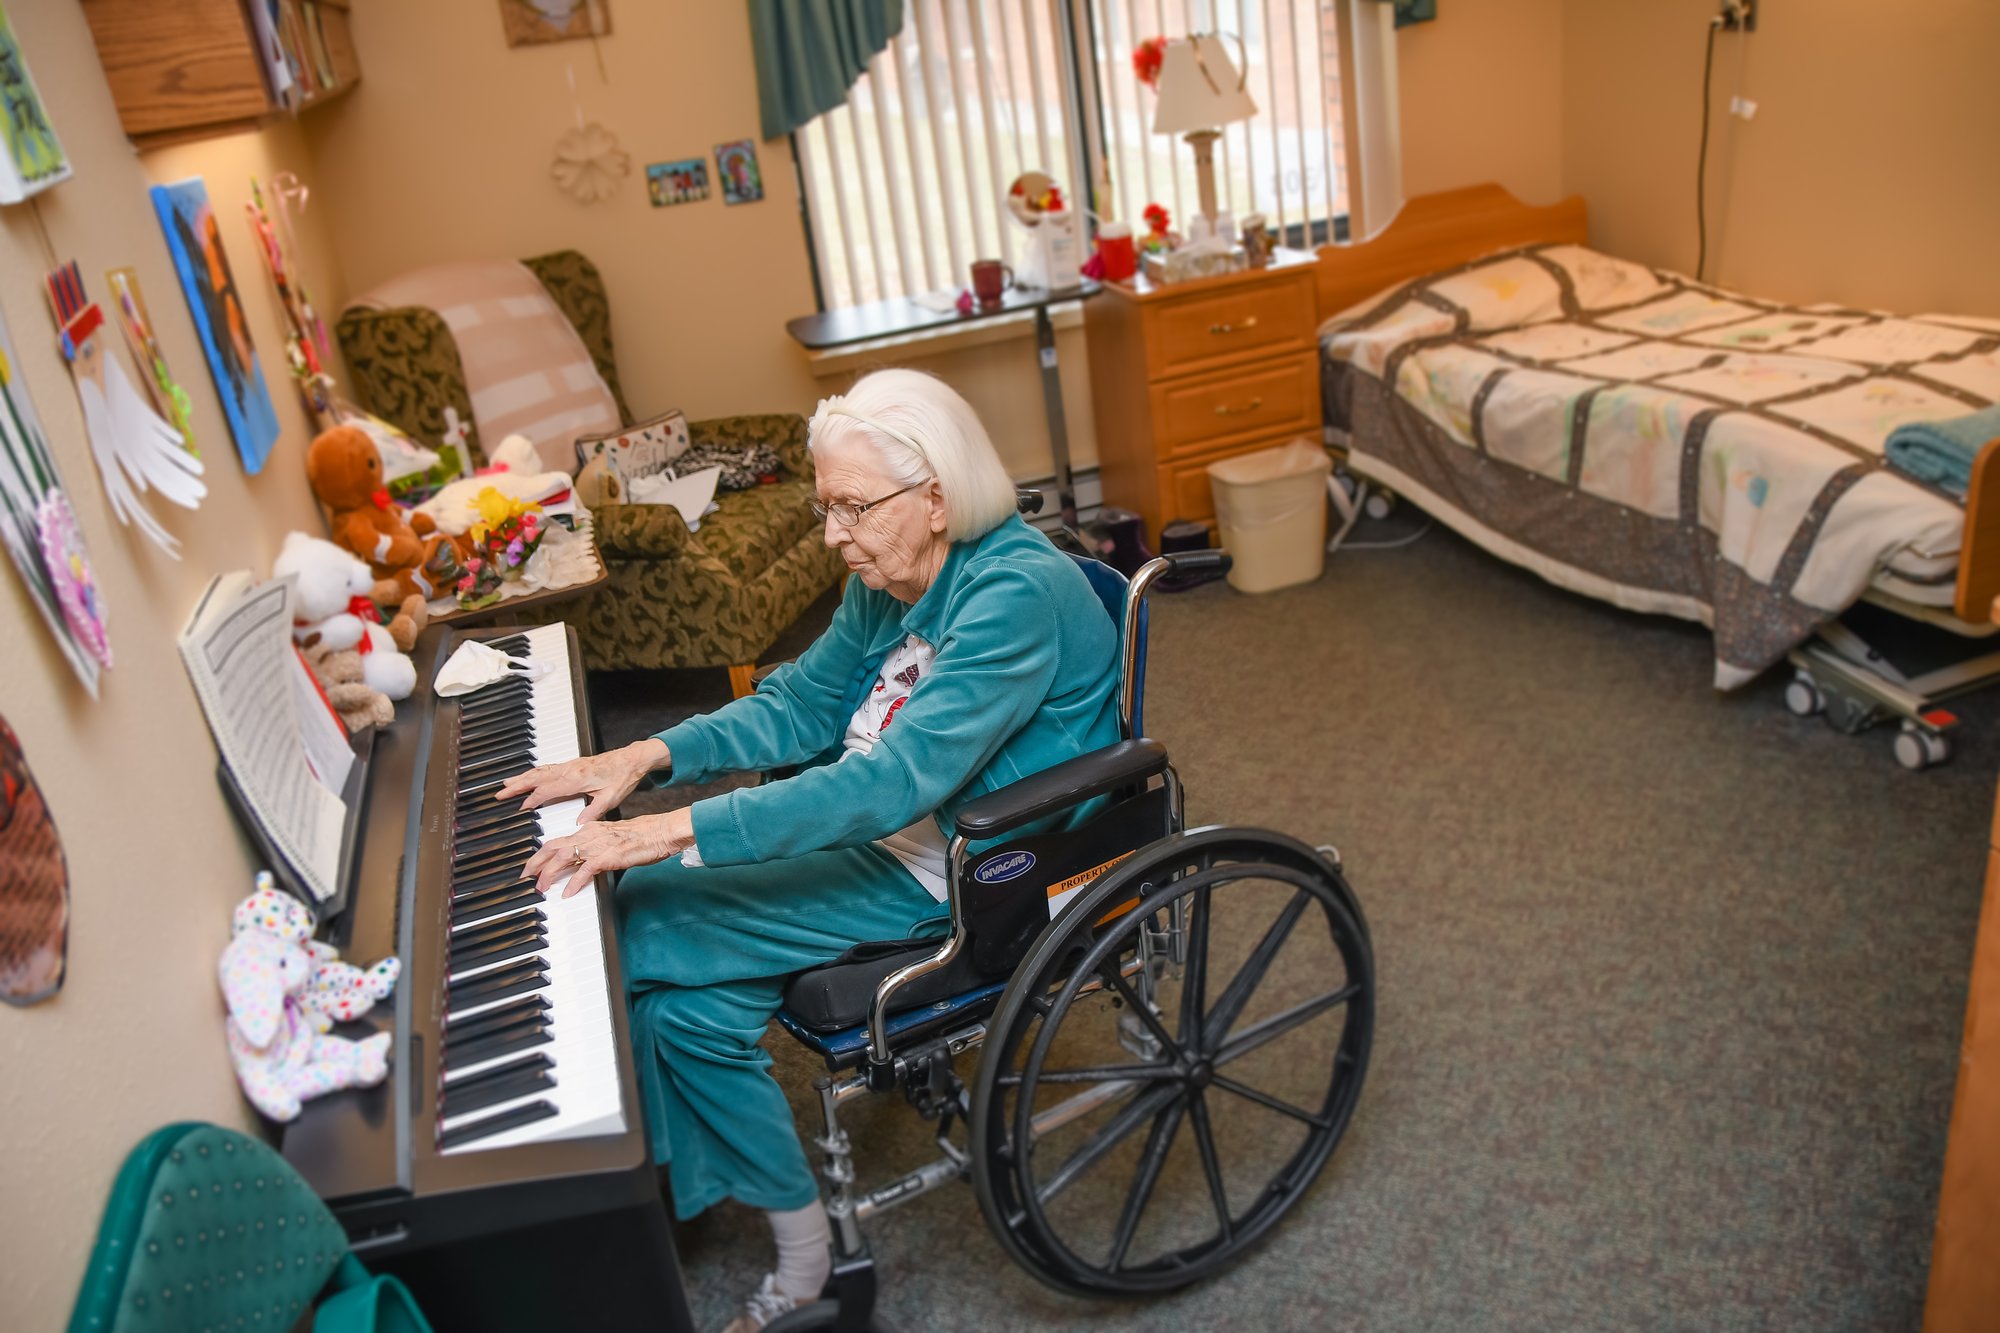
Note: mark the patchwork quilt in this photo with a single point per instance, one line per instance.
(1662, 444)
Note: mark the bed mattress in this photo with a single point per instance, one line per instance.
(1662, 444)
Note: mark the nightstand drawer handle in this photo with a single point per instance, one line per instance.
(1224, 409)
(1249, 323)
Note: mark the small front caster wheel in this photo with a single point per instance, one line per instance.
(1802, 696)
(1379, 504)
(1917, 749)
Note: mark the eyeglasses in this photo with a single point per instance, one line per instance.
(847, 515)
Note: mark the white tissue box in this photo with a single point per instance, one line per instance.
(1185, 264)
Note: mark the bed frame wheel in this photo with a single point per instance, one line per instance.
(1917, 749)
(1802, 696)
(1147, 1107)
(1379, 504)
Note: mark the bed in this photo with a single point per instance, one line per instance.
(1655, 442)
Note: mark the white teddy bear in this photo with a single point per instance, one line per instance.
(335, 610)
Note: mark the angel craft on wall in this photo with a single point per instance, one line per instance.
(589, 163)
(32, 498)
(34, 884)
(531, 22)
(195, 241)
(137, 452)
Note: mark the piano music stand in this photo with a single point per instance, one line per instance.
(354, 795)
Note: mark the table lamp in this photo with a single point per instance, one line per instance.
(1200, 91)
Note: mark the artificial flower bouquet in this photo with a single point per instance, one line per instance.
(505, 537)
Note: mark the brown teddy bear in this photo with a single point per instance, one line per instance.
(340, 675)
(345, 470)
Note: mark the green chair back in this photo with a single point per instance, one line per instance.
(208, 1229)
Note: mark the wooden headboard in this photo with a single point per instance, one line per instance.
(1436, 231)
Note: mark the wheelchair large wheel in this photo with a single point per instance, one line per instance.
(1173, 1064)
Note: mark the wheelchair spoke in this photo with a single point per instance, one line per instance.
(1101, 1074)
(1211, 1164)
(1230, 1005)
(1266, 1099)
(1158, 1144)
(1194, 973)
(1107, 1138)
(1277, 1025)
(1147, 1016)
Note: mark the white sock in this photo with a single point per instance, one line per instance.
(805, 1254)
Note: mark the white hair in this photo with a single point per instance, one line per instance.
(924, 430)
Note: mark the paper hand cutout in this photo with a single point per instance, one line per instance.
(137, 452)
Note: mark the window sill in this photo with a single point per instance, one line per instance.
(935, 342)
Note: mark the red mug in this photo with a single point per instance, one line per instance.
(990, 278)
(1115, 247)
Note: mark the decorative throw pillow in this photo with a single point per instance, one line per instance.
(642, 450)
(743, 465)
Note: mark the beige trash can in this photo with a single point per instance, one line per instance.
(1271, 506)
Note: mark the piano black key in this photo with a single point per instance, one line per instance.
(540, 1060)
(507, 855)
(493, 835)
(481, 815)
(466, 885)
(478, 792)
(508, 762)
(514, 645)
(493, 699)
(499, 910)
(473, 935)
(520, 1084)
(494, 1124)
(513, 979)
(524, 1037)
(470, 899)
(472, 783)
(488, 745)
(533, 937)
(494, 1019)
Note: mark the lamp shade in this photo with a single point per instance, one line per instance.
(1200, 88)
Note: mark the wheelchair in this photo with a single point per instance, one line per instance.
(1120, 1128)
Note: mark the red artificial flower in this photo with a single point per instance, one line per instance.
(1156, 218)
(1147, 58)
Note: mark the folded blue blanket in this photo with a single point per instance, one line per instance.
(1941, 452)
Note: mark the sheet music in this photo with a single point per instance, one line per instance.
(329, 753)
(238, 652)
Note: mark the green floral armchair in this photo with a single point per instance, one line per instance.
(672, 598)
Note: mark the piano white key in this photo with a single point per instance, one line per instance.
(582, 1034)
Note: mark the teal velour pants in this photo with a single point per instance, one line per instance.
(706, 954)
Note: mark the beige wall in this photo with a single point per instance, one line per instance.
(134, 1039)
(1481, 98)
(443, 153)
(1870, 174)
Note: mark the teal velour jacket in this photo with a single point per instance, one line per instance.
(1026, 676)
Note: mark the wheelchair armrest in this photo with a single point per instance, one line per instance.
(1069, 783)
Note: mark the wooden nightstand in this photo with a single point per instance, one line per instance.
(1183, 375)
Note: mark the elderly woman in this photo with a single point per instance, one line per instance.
(967, 653)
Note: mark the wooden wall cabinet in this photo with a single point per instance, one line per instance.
(1184, 375)
(189, 69)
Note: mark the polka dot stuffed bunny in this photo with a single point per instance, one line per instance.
(281, 1049)
(335, 992)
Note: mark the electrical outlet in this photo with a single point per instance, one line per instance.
(1739, 15)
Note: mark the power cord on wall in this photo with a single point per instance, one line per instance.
(1701, 156)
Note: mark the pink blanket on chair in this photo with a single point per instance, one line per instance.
(526, 369)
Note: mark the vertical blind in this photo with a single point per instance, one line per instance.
(906, 183)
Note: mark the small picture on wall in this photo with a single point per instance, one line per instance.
(736, 164)
(677, 182)
(532, 22)
(31, 159)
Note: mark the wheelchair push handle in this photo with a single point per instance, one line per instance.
(1180, 564)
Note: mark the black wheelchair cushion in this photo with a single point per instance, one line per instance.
(837, 995)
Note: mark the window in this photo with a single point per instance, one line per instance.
(904, 184)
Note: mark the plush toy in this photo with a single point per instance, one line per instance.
(516, 473)
(344, 992)
(280, 1047)
(335, 610)
(345, 470)
(341, 677)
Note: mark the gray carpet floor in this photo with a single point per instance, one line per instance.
(1670, 983)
